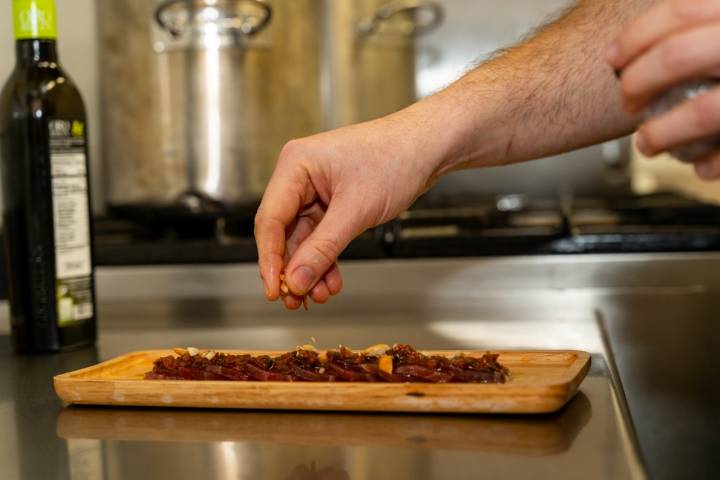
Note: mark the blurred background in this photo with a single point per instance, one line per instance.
(191, 101)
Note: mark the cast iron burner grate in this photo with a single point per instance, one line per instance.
(440, 227)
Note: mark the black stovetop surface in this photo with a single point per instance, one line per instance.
(441, 227)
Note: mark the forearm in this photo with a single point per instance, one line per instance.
(550, 94)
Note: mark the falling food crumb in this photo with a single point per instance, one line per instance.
(283, 286)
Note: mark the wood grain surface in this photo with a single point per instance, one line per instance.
(541, 382)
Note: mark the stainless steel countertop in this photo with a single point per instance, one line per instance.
(659, 313)
(43, 440)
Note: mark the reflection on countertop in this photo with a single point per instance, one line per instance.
(47, 440)
(540, 435)
(652, 305)
(141, 443)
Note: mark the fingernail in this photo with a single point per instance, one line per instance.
(612, 53)
(641, 144)
(303, 278)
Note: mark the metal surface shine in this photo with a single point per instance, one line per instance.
(660, 315)
(45, 440)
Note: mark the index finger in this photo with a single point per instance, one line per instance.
(284, 197)
(659, 22)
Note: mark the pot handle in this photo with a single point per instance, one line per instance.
(238, 25)
(435, 11)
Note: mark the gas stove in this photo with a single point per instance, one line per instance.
(516, 225)
(438, 227)
(122, 241)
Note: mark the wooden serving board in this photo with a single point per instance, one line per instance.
(541, 382)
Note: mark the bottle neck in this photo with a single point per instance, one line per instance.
(36, 51)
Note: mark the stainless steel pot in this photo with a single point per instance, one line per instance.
(198, 97)
(369, 56)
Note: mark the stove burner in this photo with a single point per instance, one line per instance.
(439, 227)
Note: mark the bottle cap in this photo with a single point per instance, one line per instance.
(34, 19)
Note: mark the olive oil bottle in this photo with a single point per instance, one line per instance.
(45, 186)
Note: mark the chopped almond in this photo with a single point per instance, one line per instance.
(210, 355)
(376, 350)
(285, 291)
(193, 351)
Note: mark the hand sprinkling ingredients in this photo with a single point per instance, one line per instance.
(553, 93)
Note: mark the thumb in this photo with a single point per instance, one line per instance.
(321, 249)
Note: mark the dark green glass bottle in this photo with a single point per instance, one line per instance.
(45, 184)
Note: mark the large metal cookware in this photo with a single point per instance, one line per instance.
(369, 56)
(198, 96)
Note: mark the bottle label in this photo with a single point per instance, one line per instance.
(34, 19)
(71, 218)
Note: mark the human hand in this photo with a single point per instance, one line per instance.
(676, 41)
(328, 189)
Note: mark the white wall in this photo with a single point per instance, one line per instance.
(78, 54)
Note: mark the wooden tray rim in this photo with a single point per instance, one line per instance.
(546, 392)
